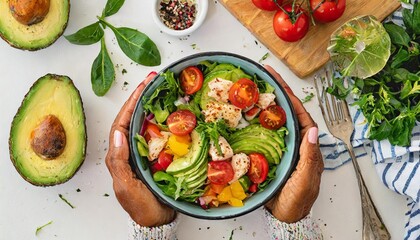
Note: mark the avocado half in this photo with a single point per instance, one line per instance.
(47, 142)
(37, 35)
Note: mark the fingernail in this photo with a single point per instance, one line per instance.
(313, 135)
(152, 72)
(118, 138)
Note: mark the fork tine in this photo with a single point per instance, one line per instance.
(346, 111)
(331, 117)
(333, 99)
(321, 95)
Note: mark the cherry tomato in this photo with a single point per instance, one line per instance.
(181, 122)
(155, 167)
(273, 117)
(152, 131)
(291, 25)
(219, 172)
(243, 93)
(164, 159)
(258, 169)
(191, 80)
(253, 188)
(162, 163)
(267, 5)
(327, 10)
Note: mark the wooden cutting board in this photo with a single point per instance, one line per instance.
(309, 54)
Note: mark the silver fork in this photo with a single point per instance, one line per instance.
(338, 120)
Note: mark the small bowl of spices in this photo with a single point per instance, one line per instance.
(179, 17)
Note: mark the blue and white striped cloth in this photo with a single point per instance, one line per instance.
(397, 167)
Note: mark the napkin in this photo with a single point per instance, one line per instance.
(397, 167)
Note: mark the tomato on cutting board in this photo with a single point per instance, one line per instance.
(220, 172)
(181, 122)
(291, 24)
(267, 5)
(243, 93)
(258, 169)
(191, 80)
(327, 10)
(273, 117)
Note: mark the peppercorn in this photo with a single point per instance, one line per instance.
(178, 14)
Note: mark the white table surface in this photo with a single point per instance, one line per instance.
(24, 207)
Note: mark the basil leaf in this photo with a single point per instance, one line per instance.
(102, 73)
(136, 45)
(88, 35)
(397, 34)
(112, 7)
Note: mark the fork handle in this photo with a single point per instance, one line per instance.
(373, 226)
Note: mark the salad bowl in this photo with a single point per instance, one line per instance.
(283, 170)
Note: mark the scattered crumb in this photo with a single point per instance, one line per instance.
(78, 190)
(307, 98)
(124, 71)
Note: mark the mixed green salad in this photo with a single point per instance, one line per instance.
(389, 99)
(212, 134)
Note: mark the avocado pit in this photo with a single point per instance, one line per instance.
(48, 139)
(29, 12)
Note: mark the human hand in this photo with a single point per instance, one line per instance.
(299, 193)
(133, 195)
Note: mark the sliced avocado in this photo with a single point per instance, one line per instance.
(198, 165)
(258, 131)
(198, 182)
(255, 138)
(256, 146)
(190, 160)
(223, 67)
(47, 141)
(33, 32)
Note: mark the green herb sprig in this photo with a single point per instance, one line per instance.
(65, 200)
(135, 45)
(38, 229)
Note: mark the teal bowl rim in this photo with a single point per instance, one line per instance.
(177, 205)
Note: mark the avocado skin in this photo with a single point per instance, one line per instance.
(20, 46)
(14, 159)
(255, 138)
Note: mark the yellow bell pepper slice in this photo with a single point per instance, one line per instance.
(234, 202)
(225, 195)
(237, 190)
(179, 145)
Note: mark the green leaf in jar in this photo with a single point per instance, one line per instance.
(88, 35)
(136, 45)
(102, 73)
(112, 7)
